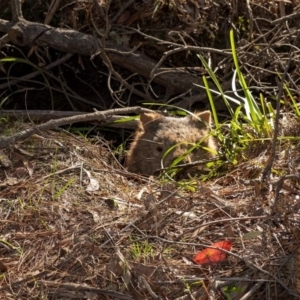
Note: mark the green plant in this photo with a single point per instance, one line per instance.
(190, 285)
(249, 120)
(64, 188)
(140, 249)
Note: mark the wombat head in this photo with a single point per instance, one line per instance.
(158, 134)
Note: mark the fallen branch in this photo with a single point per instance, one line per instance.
(25, 33)
(52, 124)
(46, 115)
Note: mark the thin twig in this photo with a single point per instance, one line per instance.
(267, 171)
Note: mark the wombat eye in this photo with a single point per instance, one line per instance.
(159, 149)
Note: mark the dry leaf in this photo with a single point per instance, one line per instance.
(212, 256)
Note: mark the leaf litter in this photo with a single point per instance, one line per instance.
(75, 224)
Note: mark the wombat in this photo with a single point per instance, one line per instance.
(157, 133)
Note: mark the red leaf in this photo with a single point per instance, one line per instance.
(212, 256)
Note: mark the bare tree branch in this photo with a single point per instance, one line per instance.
(16, 9)
(52, 124)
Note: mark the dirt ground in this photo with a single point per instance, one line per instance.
(75, 224)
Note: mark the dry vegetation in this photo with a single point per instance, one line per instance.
(76, 225)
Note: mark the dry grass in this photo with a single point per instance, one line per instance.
(74, 225)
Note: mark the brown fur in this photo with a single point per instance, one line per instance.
(157, 133)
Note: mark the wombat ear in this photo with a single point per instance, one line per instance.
(147, 117)
(204, 116)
